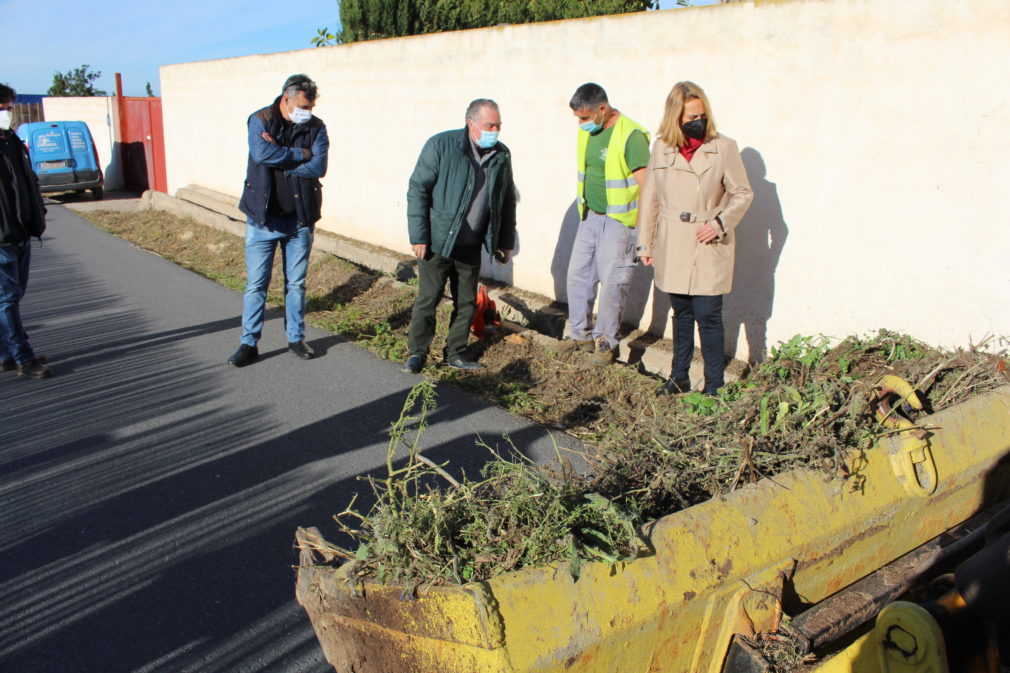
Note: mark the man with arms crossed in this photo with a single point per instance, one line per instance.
(282, 200)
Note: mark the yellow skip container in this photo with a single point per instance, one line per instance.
(720, 568)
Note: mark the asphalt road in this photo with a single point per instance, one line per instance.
(149, 493)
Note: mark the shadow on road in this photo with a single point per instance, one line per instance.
(147, 526)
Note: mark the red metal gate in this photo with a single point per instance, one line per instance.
(142, 141)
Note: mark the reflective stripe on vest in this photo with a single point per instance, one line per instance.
(622, 188)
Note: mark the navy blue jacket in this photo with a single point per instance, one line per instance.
(303, 176)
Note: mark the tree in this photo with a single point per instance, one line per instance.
(376, 19)
(150, 91)
(76, 82)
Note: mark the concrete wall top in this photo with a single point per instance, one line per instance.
(875, 135)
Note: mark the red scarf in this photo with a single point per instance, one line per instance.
(691, 147)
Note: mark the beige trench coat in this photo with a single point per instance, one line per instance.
(714, 183)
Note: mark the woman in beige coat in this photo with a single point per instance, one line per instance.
(695, 193)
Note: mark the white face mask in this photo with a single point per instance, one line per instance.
(6, 120)
(300, 115)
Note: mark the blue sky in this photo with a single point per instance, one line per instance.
(135, 37)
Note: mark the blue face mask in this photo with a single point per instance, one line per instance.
(591, 126)
(300, 116)
(487, 139)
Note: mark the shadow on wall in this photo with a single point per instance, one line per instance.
(642, 289)
(491, 269)
(113, 171)
(563, 251)
(761, 236)
(132, 165)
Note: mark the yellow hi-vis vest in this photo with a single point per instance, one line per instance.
(622, 188)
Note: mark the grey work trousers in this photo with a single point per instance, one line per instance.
(604, 256)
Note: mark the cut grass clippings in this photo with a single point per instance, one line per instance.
(807, 406)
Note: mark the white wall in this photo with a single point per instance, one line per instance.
(876, 135)
(102, 117)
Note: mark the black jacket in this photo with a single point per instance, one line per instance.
(22, 214)
(266, 158)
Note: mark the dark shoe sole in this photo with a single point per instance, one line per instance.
(46, 375)
(242, 363)
(302, 351)
(40, 372)
(464, 366)
(672, 387)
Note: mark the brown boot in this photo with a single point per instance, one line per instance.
(569, 345)
(34, 369)
(605, 353)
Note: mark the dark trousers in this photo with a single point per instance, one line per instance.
(462, 270)
(707, 312)
(14, 261)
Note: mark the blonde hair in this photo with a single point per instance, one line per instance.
(669, 129)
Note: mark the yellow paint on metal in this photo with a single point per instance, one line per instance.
(719, 568)
(859, 657)
(909, 640)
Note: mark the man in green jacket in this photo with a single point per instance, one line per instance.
(461, 196)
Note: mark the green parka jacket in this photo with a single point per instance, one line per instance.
(441, 188)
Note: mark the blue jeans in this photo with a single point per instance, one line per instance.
(14, 261)
(260, 245)
(707, 311)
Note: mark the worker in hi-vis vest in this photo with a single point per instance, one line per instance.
(613, 152)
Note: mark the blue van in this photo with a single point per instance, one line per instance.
(63, 156)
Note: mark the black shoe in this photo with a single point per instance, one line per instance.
(8, 365)
(34, 369)
(301, 349)
(674, 387)
(413, 365)
(245, 355)
(465, 365)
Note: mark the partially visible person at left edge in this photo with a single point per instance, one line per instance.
(282, 200)
(22, 216)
